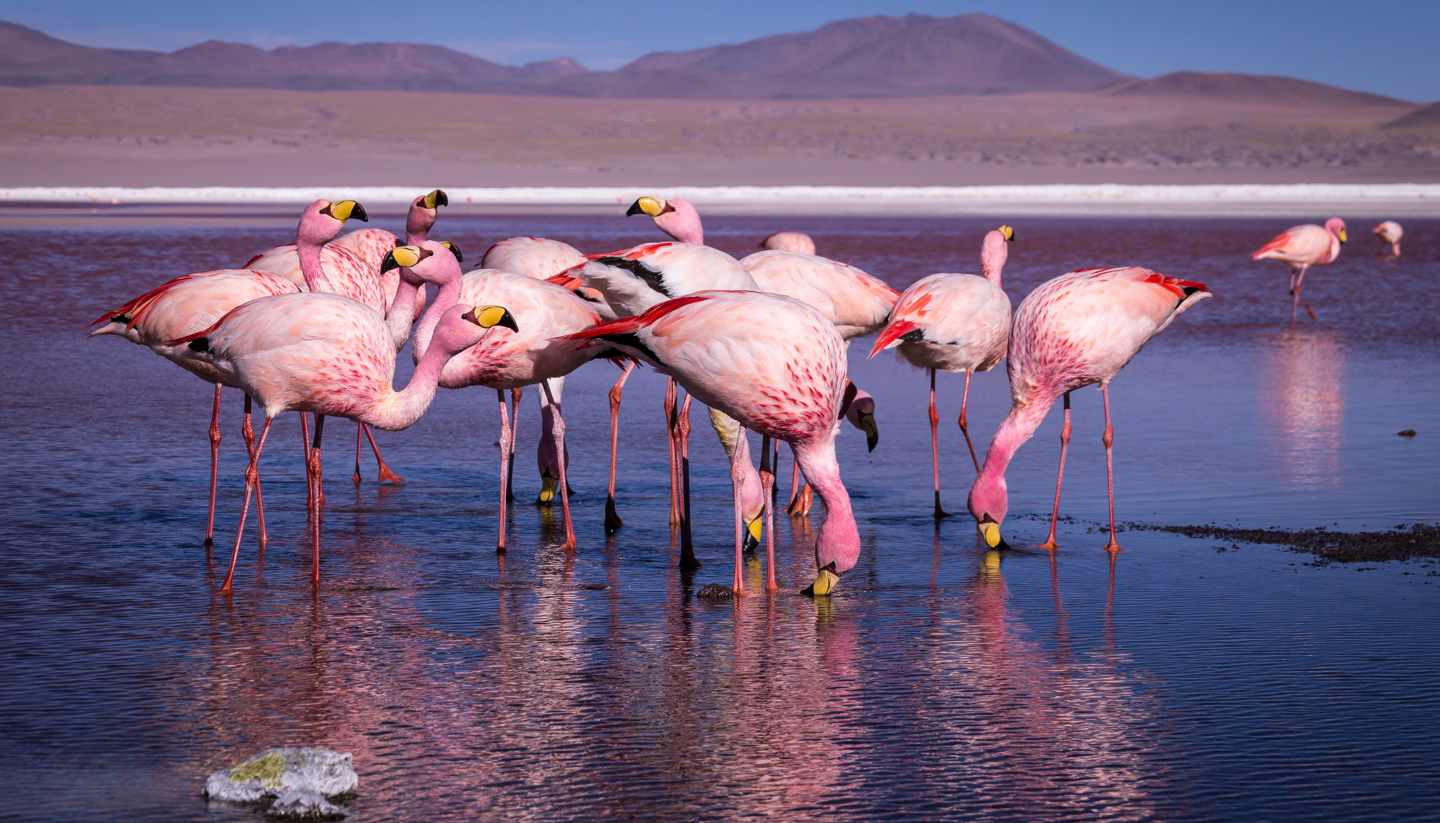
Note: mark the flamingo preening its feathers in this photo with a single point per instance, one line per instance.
(1077, 329)
(1302, 247)
(1390, 232)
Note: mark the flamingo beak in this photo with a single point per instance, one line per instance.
(824, 583)
(872, 432)
(650, 206)
(1344, 236)
(549, 488)
(436, 198)
(990, 533)
(753, 530)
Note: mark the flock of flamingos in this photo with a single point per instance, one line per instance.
(316, 326)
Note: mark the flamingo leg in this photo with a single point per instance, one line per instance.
(965, 422)
(1059, 476)
(935, 449)
(358, 428)
(1296, 282)
(775, 467)
(612, 518)
(515, 396)
(672, 426)
(319, 471)
(214, 467)
(386, 474)
(247, 431)
(767, 482)
(252, 475)
(738, 459)
(687, 544)
(794, 506)
(507, 437)
(558, 426)
(1109, 440)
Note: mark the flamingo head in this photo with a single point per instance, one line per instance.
(676, 217)
(433, 261)
(995, 250)
(463, 326)
(423, 211)
(789, 241)
(322, 220)
(859, 408)
(1336, 226)
(989, 501)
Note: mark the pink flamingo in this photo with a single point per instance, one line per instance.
(631, 281)
(331, 356)
(778, 367)
(789, 241)
(954, 322)
(856, 302)
(1390, 232)
(1302, 247)
(1078, 329)
(544, 311)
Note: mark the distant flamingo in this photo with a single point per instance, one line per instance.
(1302, 247)
(954, 322)
(1078, 329)
(331, 356)
(544, 312)
(856, 302)
(778, 367)
(631, 281)
(1390, 232)
(789, 241)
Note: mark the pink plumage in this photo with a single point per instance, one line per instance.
(1302, 247)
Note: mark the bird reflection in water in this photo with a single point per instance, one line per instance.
(1302, 397)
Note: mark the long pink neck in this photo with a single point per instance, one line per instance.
(401, 314)
(993, 254)
(417, 230)
(839, 538)
(683, 224)
(449, 295)
(400, 409)
(310, 266)
(1017, 427)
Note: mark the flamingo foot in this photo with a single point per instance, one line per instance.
(940, 513)
(613, 523)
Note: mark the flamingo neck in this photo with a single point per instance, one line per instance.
(448, 296)
(416, 231)
(839, 539)
(1017, 427)
(310, 266)
(993, 257)
(683, 224)
(400, 409)
(401, 314)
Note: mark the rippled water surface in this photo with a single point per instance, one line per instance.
(1191, 679)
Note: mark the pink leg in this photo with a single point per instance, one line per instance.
(672, 426)
(935, 448)
(1296, 281)
(252, 474)
(214, 466)
(516, 395)
(558, 425)
(358, 428)
(1059, 476)
(767, 481)
(1109, 441)
(319, 470)
(386, 474)
(794, 506)
(687, 545)
(740, 457)
(248, 432)
(965, 423)
(507, 439)
(612, 518)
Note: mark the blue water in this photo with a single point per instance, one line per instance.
(1193, 679)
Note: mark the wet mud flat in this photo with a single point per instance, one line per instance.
(1415, 541)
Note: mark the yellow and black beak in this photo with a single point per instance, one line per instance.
(753, 530)
(487, 317)
(435, 199)
(825, 582)
(1344, 236)
(990, 533)
(647, 205)
(343, 210)
(872, 432)
(403, 257)
(454, 249)
(1008, 233)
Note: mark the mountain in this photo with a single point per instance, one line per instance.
(1425, 117)
(1250, 88)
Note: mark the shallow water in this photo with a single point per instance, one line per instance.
(1188, 680)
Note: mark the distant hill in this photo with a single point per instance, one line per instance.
(1425, 117)
(1249, 88)
(868, 57)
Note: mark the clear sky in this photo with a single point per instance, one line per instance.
(1391, 48)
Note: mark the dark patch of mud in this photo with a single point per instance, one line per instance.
(1418, 540)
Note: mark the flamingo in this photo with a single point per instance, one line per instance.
(789, 241)
(544, 311)
(1077, 329)
(856, 302)
(631, 281)
(1390, 232)
(1302, 247)
(778, 367)
(332, 356)
(954, 322)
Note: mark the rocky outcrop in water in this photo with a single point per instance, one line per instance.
(290, 781)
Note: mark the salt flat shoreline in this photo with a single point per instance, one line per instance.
(19, 204)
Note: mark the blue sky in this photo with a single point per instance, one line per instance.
(1392, 48)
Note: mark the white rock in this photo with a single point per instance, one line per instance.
(289, 781)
